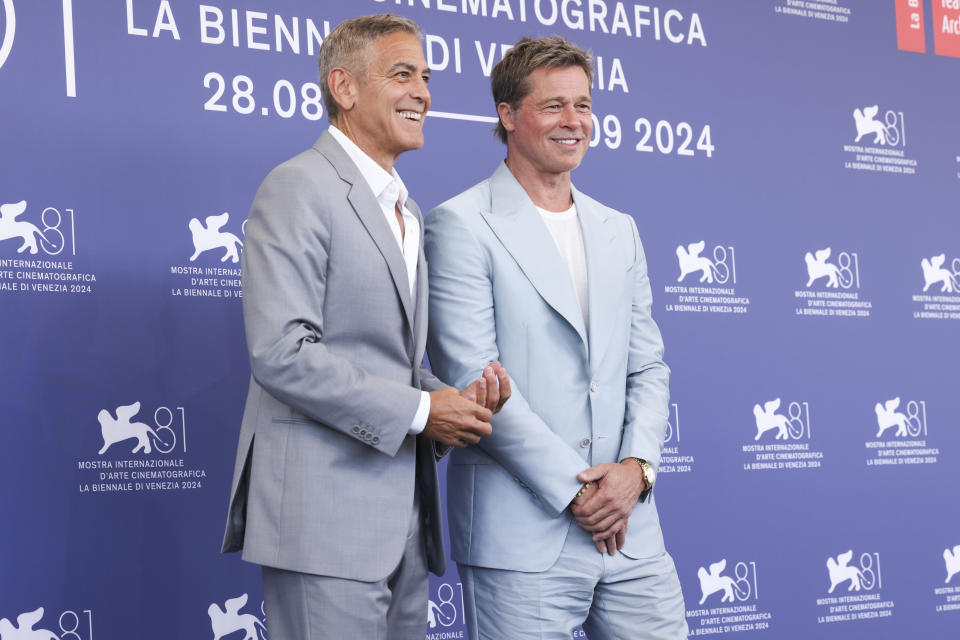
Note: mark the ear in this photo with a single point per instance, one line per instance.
(506, 113)
(343, 88)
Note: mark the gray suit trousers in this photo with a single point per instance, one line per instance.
(302, 606)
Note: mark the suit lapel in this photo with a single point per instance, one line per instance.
(605, 272)
(367, 208)
(516, 223)
(421, 292)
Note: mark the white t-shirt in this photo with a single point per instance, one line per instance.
(564, 226)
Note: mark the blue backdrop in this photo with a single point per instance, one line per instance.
(808, 485)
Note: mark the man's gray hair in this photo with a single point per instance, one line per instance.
(348, 44)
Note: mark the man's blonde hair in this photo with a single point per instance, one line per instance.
(509, 77)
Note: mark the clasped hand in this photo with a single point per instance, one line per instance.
(461, 418)
(604, 508)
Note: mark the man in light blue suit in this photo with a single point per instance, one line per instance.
(552, 516)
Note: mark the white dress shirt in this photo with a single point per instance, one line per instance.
(390, 193)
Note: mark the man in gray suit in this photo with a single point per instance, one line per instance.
(335, 490)
(552, 517)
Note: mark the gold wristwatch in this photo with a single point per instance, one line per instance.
(648, 473)
(583, 489)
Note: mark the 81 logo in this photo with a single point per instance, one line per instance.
(916, 418)
(911, 423)
(166, 421)
(795, 425)
(58, 232)
(743, 586)
(848, 269)
(64, 235)
(894, 128)
(798, 420)
(845, 274)
(446, 610)
(72, 626)
(721, 270)
(865, 575)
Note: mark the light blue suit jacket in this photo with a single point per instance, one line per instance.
(499, 290)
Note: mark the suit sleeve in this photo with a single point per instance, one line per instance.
(462, 339)
(430, 382)
(648, 377)
(285, 271)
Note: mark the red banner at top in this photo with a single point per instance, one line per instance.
(946, 27)
(910, 27)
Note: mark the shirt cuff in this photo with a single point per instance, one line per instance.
(420, 418)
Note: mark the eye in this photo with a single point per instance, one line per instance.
(553, 107)
(584, 108)
(426, 78)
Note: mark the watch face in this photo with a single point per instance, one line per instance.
(649, 474)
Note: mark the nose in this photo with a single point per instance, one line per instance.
(420, 92)
(569, 117)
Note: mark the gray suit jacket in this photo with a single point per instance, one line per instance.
(325, 470)
(500, 290)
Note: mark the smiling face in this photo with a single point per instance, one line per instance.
(385, 113)
(549, 131)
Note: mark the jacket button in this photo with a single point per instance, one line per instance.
(356, 428)
(375, 440)
(368, 436)
(585, 442)
(594, 386)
